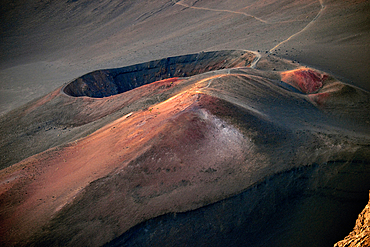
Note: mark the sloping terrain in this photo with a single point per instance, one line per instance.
(179, 144)
(148, 123)
(45, 44)
(60, 117)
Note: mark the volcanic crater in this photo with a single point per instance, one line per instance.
(202, 149)
(108, 82)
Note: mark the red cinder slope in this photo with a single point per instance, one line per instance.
(161, 152)
(306, 80)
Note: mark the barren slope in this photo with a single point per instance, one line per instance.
(180, 144)
(47, 43)
(195, 141)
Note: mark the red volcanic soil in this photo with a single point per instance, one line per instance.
(306, 80)
(162, 152)
(321, 88)
(46, 183)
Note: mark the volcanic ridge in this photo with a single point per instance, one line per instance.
(213, 148)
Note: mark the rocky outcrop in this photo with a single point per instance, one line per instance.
(360, 236)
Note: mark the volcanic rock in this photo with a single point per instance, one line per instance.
(360, 236)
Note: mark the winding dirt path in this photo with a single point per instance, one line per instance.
(302, 30)
(253, 65)
(223, 10)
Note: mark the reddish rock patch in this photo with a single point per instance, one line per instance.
(306, 80)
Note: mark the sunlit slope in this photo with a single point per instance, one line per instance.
(180, 144)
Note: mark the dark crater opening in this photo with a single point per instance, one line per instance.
(107, 82)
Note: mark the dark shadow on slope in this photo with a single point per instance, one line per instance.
(308, 206)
